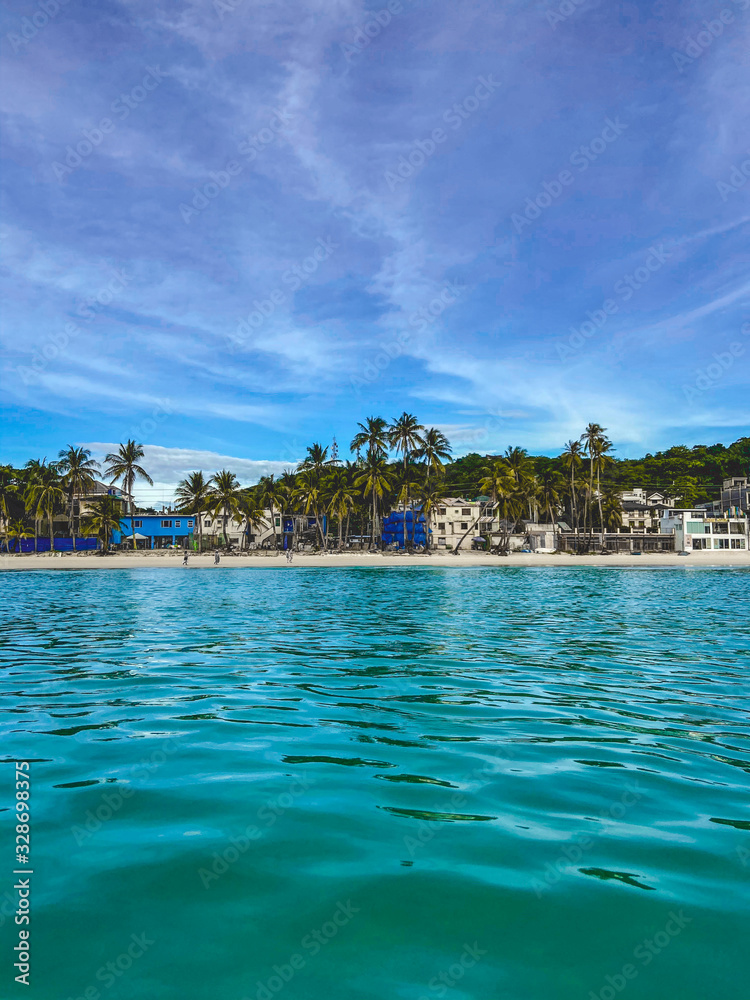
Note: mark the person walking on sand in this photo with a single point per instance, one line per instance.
(185, 558)
(217, 557)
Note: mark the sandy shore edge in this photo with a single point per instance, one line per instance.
(147, 560)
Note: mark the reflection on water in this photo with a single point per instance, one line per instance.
(326, 784)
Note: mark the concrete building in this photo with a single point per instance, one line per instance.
(696, 530)
(735, 495)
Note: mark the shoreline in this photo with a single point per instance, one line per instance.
(168, 560)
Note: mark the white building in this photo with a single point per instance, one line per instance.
(697, 531)
(453, 518)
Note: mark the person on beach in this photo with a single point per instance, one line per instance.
(217, 557)
(185, 559)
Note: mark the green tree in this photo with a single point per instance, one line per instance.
(405, 437)
(102, 519)
(44, 495)
(225, 499)
(193, 496)
(123, 465)
(374, 480)
(77, 467)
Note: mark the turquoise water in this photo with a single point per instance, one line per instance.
(380, 783)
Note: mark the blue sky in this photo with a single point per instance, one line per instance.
(232, 228)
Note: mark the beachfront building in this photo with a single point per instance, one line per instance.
(697, 530)
(453, 518)
(735, 495)
(157, 531)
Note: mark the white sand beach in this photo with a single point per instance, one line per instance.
(440, 560)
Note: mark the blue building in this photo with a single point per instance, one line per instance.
(157, 531)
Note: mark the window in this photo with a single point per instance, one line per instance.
(441, 540)
(190, 524)
(137, 524)
(441, 511)
(278, 522)
(700, 543)
(464, 525)
(721, 543)
(206, 524)
(735, 528)
(465, 511)
(166, 524)
(721, 528)
(441, 526)
(697, 527)
(738, 543)
(178, 524)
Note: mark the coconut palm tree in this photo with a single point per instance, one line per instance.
(595, 445)
(571, 459)
(502, 486)
(375, 480)
(253, 510)
(30, 472)
(193, 497)
(225, 499)
(123, 464)
(313, 466)
(8, 497)
(435, 450)
(273, 495)
(340, 498)
(16, 529)
(433, 497)
(549, 488)
(102, 519)
(310, 495)
(405, 437)
(372, 435)
(612, 510)
(77, 467)
(44, 494)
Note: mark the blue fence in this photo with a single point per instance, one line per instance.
(61, 544)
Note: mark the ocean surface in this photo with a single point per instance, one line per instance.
(376, 784)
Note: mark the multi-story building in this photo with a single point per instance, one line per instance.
(696, 530)
(735, 494)
(453, 518)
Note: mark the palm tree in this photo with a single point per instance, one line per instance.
(193, 497)
(596, 445)
(8, 496)
(77, 467)
(340, 500)
(408, 484)
(372, 435)
(31, 471)
(501, 484)
(550, 485)
(375, 480)
(612, 510)
(272, 494)
(571, 458)
(225, 498)
(102, 519)
(405, 437)
(16, 529)
(313, 466)
(432, 498)
(253, 509)
(43, 494)
(123, 464)
(435, 450)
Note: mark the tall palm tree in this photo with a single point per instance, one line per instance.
(571, 459)
(375, 480)
(253, 510)
(77, 467)
(340, 499)
(309, 494)
(405, 437)
(8, 496)
(596, 445)
(193, 497)
(612, 510)
(30, 472)
(123, 464)
(103, 518)
(501, 484)
(435, 450)
(372, 435)
(550, 485)
(273, 495)
(313, 465)
(45, 493)
(225, 499)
